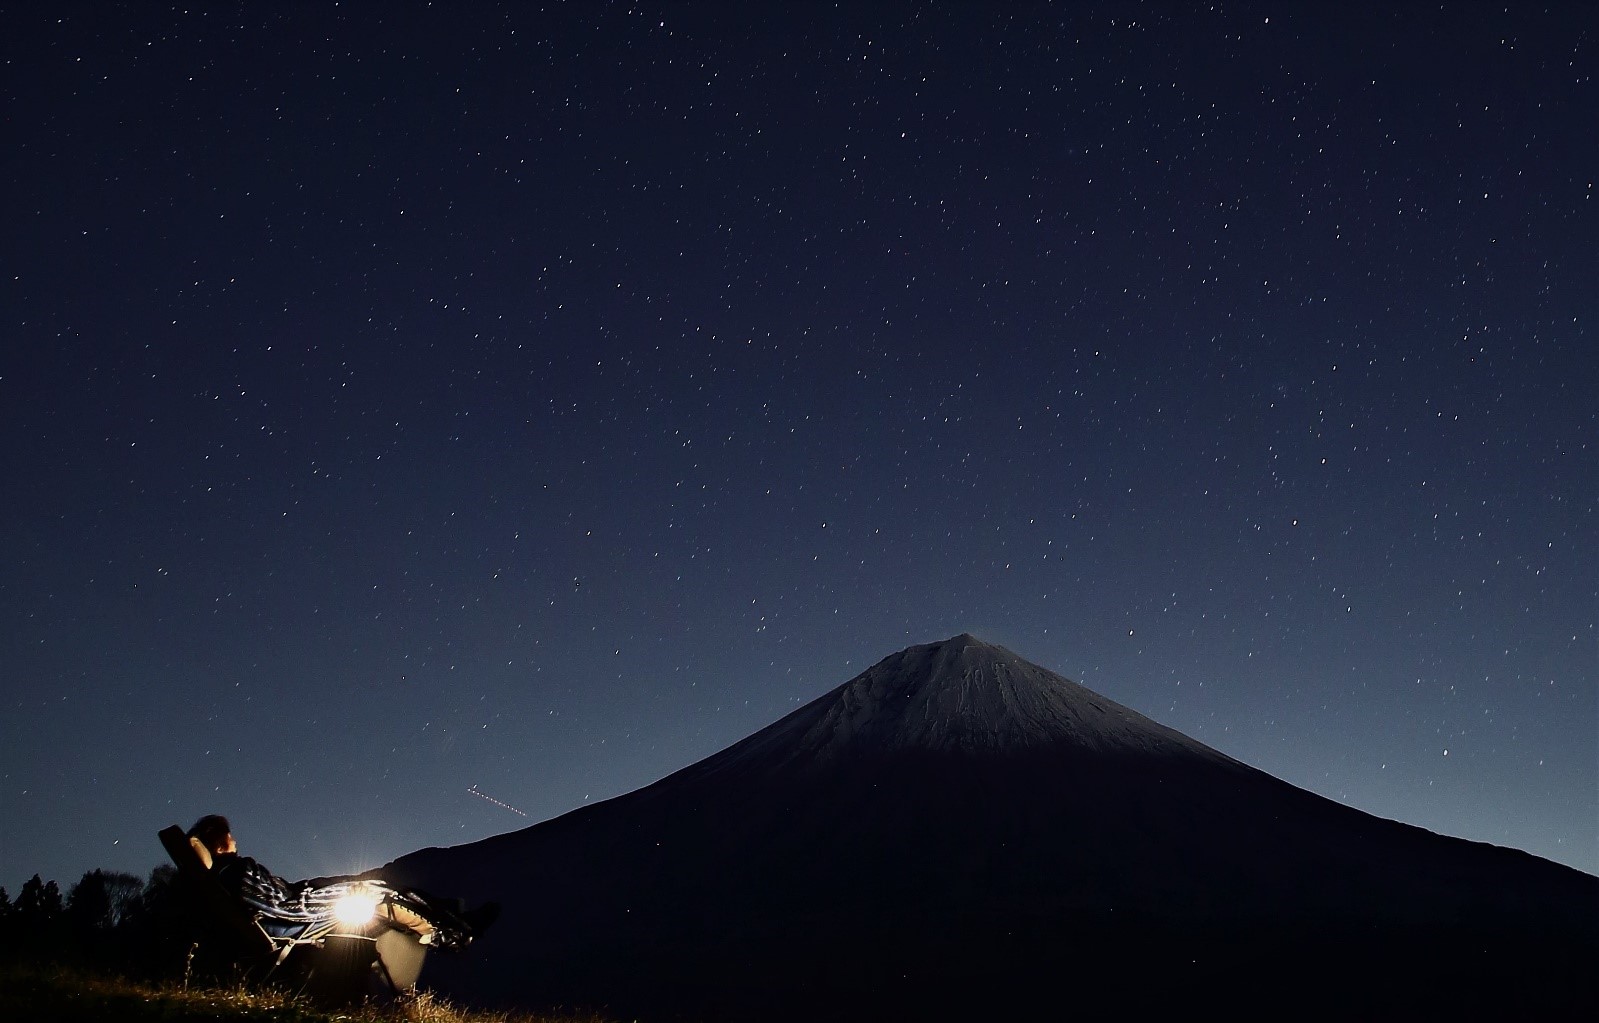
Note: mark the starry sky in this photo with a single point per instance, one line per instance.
(421, 420)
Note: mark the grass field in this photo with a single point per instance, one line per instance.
(49, 994)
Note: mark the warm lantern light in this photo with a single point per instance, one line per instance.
(356, 908)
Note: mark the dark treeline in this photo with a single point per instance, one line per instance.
(107, 921)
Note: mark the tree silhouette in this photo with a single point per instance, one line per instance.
(124, 892)
(88, 903)
(102, 901)
(162, 925)
(38, 903)
(33, 928)
(100, 919)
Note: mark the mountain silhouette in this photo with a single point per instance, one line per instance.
(957, 833)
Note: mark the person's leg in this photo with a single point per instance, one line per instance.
(405, 919)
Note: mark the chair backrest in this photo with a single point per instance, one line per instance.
(221, 911)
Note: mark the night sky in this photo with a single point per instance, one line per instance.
(411, 413)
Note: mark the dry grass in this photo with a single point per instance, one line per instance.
(59, 995)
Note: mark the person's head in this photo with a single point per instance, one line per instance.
(215, 833)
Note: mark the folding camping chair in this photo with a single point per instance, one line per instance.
(337, 963)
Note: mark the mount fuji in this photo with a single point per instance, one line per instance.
(957, 833)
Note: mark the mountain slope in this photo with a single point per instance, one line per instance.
(961, 695)
(956, 830)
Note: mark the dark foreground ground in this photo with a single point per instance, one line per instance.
(51, 994)
(1137, 973)
(1425, 979)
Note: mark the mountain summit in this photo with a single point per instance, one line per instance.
(957, 831)
(972, 697)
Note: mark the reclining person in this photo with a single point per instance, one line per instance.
(297, 908)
